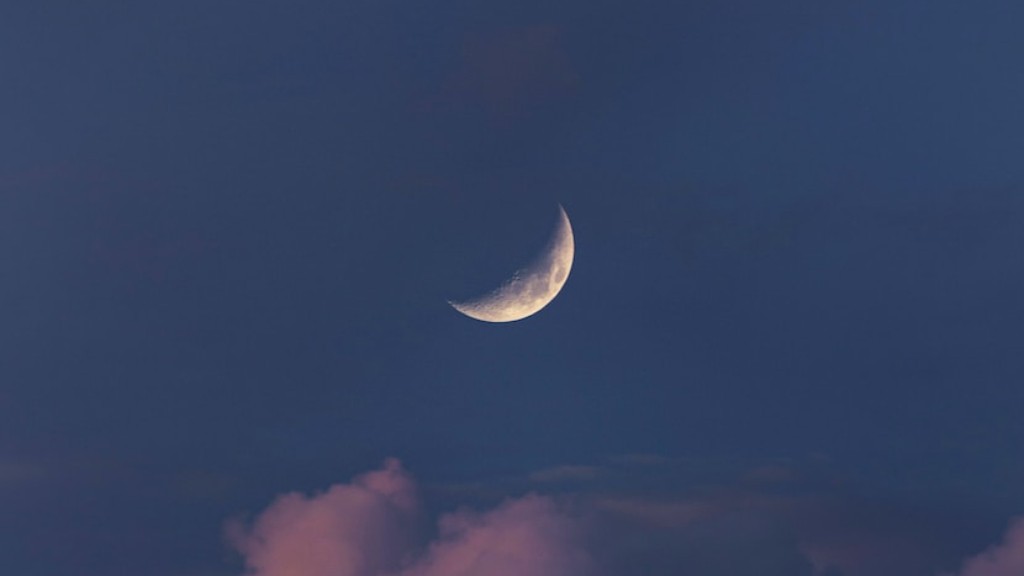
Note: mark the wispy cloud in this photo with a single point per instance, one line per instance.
(565, 474)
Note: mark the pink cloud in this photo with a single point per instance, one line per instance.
(373, 526)
(1005, 559)
(524, 537)
(367, 528)
(355, 529)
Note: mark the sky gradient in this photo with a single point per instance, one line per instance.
(790, 343)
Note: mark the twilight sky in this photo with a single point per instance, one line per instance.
(791, 343)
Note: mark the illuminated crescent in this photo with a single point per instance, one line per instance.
(531, 288)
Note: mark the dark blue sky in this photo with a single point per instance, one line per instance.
(229, 231)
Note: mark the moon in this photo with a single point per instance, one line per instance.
(531, 288)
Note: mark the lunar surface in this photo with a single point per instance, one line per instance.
(531, 288)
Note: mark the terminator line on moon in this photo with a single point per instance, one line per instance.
(531, 288)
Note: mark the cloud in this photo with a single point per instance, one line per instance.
(357, 529)
(674, 517)
(512, 72)
(368, 528)
(660, 513)
(524, 537)
(792, 532)
(568, 473)
(1004, 559)
(613, 520)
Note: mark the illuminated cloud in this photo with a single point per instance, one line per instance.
(357, 529)
(770, 522)
(367, 528)
(524, 537)
(1005, 559)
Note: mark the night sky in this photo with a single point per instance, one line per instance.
(792, 341)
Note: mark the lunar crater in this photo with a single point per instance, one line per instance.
(529, 289)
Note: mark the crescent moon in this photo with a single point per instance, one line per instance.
(531, 288)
